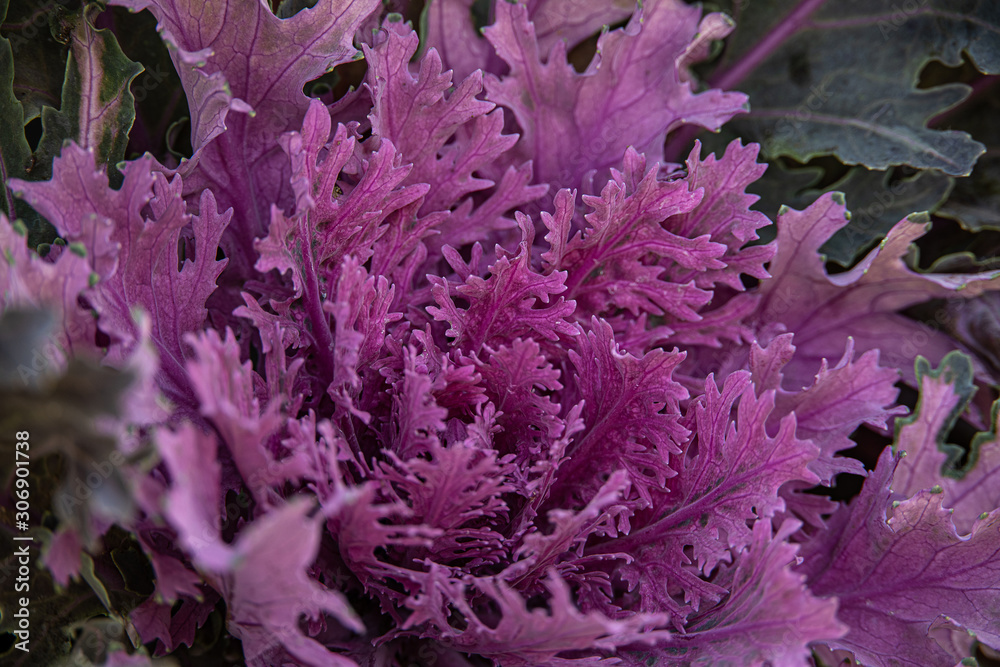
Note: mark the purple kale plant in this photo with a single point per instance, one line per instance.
(459, 368)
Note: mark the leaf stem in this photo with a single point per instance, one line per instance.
(728, 78)
(785, 28)
(314, 305)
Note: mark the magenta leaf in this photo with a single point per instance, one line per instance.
(521, 637)
(451, 138)
(238, 56)
(132, 238)
(451, 32)
(626, 259)
(456, 490)
(930, 462)
(514, 301)
(899, 567)
(418, 420)
(540, 552)
(264, 610)
(728, 474)
(419, 116)
(769, 617)
(518, 378)
(194, 498)
(226, 390)
(631, 414)
(862, 303)
(840, 399)
(725, 215)
(635, 90)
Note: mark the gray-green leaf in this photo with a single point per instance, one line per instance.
(846, 80)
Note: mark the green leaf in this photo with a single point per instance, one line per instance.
(37, 31)
(97, 105)
(845, 80)
(52, 609)
(15, 153)
(876, 200)
(62, 618)
(975, 201)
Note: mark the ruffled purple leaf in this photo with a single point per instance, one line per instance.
(634, 92)
(769, 616)
(418, 114)
(898, 568)
(457, 490)
(238, 56)
(631, 412)
(517, 636)
(132, 241)
(62, 555)
(515, 301)
(417, 420)
(264, 610)
(362, 313)
(451, 32)
(728, 476)
(192, 503)
(227, 396)
(174, 579)
(724, 214)
(519, 380)
(625, 259)
(334, 225)
(562, 549)
(862, 303)
(854, 392)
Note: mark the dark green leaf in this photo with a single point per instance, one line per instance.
(975, 201)
(845, 81)
(875, 199)
(37, 32)
(159, 97)
(15, 153)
